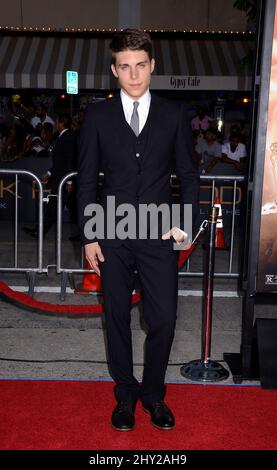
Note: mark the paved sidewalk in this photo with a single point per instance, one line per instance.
(42, 346)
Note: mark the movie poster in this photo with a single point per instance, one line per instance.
(267, 270)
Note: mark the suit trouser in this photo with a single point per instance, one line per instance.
(157, 267)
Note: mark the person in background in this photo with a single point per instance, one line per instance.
(238, 127)
(48, 137)
(78, 120)
(13, 147)
(64, 162)
(243, 132)
(234, 152)
(41, 117)
(36, 148)
(201, 122)
(27, 145)
(207, 150)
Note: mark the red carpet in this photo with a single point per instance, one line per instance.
(76, 415)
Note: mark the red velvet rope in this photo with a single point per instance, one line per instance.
(29, 303)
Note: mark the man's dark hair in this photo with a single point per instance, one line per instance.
(65, 119)
(42, 106)
(234, 135)
(133, 39)
(212, 130)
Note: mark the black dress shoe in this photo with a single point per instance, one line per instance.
(123, 418)
(161, 416)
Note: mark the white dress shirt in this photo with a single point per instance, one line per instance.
(62, 132)
(143, 108)
(239, 153)
(36, 120)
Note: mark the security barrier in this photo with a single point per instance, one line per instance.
(214, 187)
(213, 184)
(216, 190)
(30, 271)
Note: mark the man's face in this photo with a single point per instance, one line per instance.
(210, 137)
(40, 112)
(201, 113)
(133, 70)
(234, 143)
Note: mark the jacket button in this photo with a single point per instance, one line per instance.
(137, 155)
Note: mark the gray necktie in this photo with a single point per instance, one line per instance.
(135, 119)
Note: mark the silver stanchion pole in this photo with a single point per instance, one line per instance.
(205, 369)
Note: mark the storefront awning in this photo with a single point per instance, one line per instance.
(40, 62)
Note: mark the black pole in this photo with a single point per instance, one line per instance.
(205, 369)
(71, 106)
(209, 286)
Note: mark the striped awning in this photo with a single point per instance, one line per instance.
(41, 62)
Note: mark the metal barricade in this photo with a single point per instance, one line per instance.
(215, 180)
(60, 270)
(30, 271)
(187, 272)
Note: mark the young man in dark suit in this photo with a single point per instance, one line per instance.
(135, 139)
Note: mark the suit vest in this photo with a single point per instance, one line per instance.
(137, 143)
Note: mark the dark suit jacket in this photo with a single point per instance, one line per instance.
(103, 147)
(64, 158)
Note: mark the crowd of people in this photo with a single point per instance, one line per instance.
(212, 151)
(30, 131)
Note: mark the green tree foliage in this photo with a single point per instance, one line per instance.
(251, 9)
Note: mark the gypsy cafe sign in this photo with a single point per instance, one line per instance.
(196, 82)
(184, 82)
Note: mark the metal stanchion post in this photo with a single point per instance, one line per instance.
(205, 369)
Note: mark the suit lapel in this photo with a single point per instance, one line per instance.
(153, 131)
(120, 125)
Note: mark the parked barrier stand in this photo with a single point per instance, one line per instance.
(205, 369)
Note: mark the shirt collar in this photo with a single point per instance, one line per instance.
(61, 133)
(127, 101)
